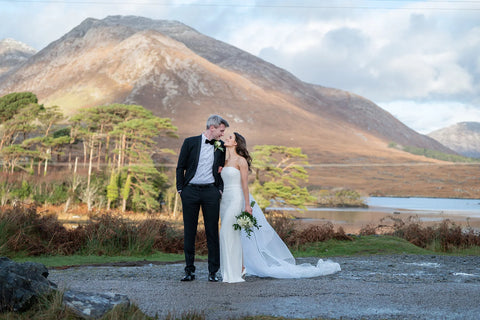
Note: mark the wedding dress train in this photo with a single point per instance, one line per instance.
(264, 253)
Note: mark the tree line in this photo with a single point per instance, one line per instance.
(104, 157)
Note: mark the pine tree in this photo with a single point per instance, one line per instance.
(279, 173)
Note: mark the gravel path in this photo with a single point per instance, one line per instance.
(369, 287)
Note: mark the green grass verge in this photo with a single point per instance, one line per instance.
(361, 245)
(367, 245)
(475, 251)
(73, 260)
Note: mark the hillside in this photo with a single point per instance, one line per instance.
(179, 73)
(182, 74)
(463, 137)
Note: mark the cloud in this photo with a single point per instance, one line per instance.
(40, 23)
(415, 51)
(414, 59)
(426, 117)
(386, 56)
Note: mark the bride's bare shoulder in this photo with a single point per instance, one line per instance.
(237, 162)
(242, 163)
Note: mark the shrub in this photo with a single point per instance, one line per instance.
(22, 192)
(23, 230)
(55, 194)
(438, 155)
(340, 198)
(293, 237)
(443, 237)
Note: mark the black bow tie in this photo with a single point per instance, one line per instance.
(210, 141)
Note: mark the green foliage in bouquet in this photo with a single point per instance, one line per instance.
(246, 221)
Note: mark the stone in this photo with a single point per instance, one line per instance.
(89, 305)
(21, 284)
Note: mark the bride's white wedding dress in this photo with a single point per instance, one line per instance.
(231, 205)
(264, 254)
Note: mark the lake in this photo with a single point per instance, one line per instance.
(429, 211)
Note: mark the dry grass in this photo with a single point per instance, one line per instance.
(294, 237)
(24, 231)
(51, 307)
(444, 180)
(444, 236)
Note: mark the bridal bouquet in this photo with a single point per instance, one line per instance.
(246, 221)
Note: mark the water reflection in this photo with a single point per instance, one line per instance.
(469, 207)
(463, 212)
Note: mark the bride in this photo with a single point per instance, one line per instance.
(262, 254)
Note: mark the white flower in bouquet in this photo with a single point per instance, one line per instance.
(246, 221)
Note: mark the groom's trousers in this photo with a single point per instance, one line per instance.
(207, 197)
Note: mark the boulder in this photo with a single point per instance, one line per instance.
(21, 284)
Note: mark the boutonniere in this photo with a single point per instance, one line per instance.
(218, 145)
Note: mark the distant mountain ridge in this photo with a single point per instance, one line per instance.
(462, 137)
(182, 74)
(13, 53)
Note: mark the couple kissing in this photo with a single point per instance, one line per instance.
(213, 175)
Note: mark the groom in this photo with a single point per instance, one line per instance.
(200, 185)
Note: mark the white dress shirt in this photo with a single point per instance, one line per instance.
(204, 173)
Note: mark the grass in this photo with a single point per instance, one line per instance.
(360, 245)
(24, 231)
(26, 235)
(50, 307)
(74, 260)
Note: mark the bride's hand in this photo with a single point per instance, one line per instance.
(248, 209)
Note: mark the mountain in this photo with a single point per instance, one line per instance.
(463, 137)
(182, 74)
(13, 54)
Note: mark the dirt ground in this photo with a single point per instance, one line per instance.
(367, 287)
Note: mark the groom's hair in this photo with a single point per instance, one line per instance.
(216, 121)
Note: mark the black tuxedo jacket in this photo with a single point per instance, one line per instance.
(188, 162)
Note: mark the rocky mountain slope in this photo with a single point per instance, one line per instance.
(463, 137)
(13, 54)
(180, 73)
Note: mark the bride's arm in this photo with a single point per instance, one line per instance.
(243, 166)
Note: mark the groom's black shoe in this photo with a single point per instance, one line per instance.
(212, 277)
(189, 276)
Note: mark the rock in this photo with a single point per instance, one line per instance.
(90, 305)
(21, 284)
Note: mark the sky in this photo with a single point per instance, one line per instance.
(418, 60)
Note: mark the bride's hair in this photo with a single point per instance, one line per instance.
(241, 149)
